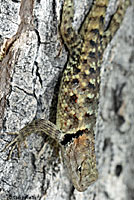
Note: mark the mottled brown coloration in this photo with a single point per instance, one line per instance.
(79, 91)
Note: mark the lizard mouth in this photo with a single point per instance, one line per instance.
(84, 184)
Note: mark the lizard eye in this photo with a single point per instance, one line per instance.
(79, 169)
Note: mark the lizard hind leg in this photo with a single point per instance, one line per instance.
(69, 35)
(115, 21)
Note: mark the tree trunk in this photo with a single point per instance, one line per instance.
(29, 79)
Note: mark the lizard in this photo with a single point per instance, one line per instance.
(79, 91)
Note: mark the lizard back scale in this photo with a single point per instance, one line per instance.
(79, 91)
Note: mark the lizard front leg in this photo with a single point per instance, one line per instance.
(39, 126)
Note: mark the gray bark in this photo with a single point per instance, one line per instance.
(29, 78)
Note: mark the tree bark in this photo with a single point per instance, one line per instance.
(29, 79)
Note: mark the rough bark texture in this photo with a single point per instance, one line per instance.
(29, 79)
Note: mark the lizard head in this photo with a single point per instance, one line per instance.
(80, 160)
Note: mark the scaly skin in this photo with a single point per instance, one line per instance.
(79, 91)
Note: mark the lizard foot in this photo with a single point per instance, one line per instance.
(15, 143)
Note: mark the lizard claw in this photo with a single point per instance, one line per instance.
(15, 143)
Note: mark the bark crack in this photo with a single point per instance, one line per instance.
(7, 52)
